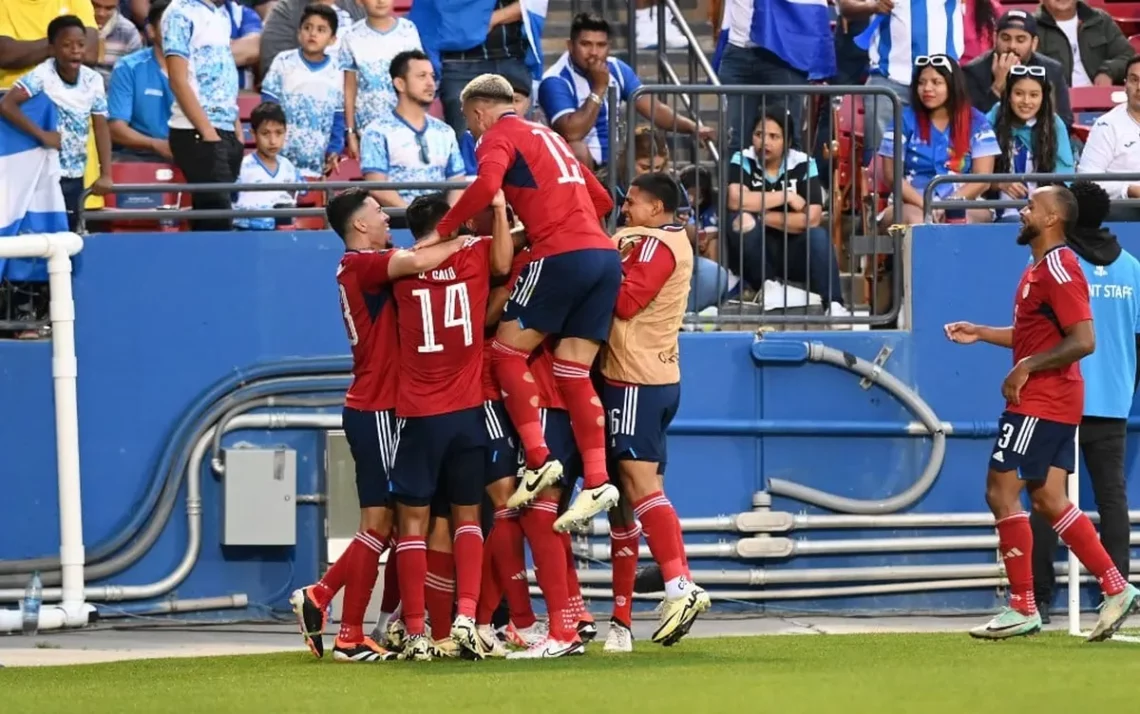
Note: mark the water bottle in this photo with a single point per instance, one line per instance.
(33, 597)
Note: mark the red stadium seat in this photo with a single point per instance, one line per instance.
(145, 173)
(312, 199)
(1090, 102)
(1135, 42)
(348, 170)
(436, 109)
(247, 102)
(1029, 8)
(401, 7)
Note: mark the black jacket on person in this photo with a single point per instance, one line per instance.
(980, 80)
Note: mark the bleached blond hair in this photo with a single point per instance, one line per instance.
(493, 87)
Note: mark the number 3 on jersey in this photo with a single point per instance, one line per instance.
(570, 171)
(353, 338)
(456, 313)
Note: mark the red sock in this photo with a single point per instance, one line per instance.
(587, 418)
(490, 591)
(362, 564)
(624, 547)
(411, 555)
(573, 587)
(1078, 532)
(439, 592)
(1015, 539)
(390, 599)
(520, 397)
(550, 563)
(663, 533)
(505, 543)
(468, 547)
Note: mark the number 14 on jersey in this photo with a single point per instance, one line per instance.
(456, 314)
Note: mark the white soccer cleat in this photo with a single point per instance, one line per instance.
(527, 637)
(493, 646)
(678, 614)
(391, 633)
(465, 635)
(548, 649)
(619, 639)
(417, 648)
(534, 481)
(589, 503)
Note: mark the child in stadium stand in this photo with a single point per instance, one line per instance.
(78, 95)
(642, 389)
(266, 165)
(1052, 330)
(568, 289)
(367, 306)
(309, 84)
(442, 441)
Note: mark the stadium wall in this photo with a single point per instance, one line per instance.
(162, 317)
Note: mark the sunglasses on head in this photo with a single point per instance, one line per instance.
(1020, 70)
(933, 61)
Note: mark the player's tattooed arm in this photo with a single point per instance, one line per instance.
(411, 262)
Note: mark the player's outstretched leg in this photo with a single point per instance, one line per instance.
(411, 555)
(1078, 533)
(625, 546)
(468, 547)
(439, 590)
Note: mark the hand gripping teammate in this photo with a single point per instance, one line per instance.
(568, 289)
(1052, 330)
(364, 279)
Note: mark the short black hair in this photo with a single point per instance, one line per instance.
(154, 14)
(588, 22)
(320, 11)
(343, 207)
(425, 212)
(700, 179)
(1135, 59)
(267, 111)
(662, 187)
(61, 23)
(400, 62)
(1093, 203)
(1066, 204)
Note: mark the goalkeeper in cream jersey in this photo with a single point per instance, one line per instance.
(642, 388)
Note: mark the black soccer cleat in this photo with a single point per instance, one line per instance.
(311, 620)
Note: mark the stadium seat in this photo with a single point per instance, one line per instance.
(1135, 42)
(347, 170)
(848, 155)
(1126, 15)
(314, 198)
(145, 173)
(1028, 8)
(247, 102)
(401, 7)
(1090, 102)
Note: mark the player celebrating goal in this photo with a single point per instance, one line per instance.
(364, 279)
(568, 289)
(1052, 330)
(643, 388)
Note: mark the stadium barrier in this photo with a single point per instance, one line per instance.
(930, 204)
(863, 251)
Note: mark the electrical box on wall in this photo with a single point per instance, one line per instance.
(259, 505)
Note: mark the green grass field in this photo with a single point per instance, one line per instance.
(880, 674)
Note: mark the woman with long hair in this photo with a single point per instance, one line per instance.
(941, 134)
(979, 21)
(1030, 135)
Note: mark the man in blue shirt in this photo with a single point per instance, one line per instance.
(1110, 378)
(573, 94)
(140, 98)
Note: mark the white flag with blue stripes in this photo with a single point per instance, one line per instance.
(31, 201)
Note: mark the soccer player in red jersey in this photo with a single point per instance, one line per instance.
(568, 289)
(442, 440)
(364, 279)
(1052, 330)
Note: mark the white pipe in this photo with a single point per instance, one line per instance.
(58, 249)
(1074, 599)
(165, 607)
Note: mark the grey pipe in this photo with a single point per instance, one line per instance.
(818, 352)
(216, 461)
(236, 601)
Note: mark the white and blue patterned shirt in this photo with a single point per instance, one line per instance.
(369, 53)
(565, 89)
(344, 23)
(199, 32)
(390, 146)
(75, 103)
(313, 98)
(914, 28)
(253, 170)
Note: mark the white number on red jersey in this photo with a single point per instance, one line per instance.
(353, 338)
(456, 313)
(568, 167)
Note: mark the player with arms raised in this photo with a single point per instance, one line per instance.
(568, 289)
(1052, 330)
(442, 442)
(364, 281)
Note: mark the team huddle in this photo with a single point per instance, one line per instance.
(474, 383)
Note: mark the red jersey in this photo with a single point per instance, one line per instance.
(558, 200)
(1052, 296)
(441, 316)
(370, 318)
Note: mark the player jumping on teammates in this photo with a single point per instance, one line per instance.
(1052, 330)
(442, 440)
(642, 388)
(364, 279)
(568, 289)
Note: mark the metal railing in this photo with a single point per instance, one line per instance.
(931, 204)
(873, 252)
